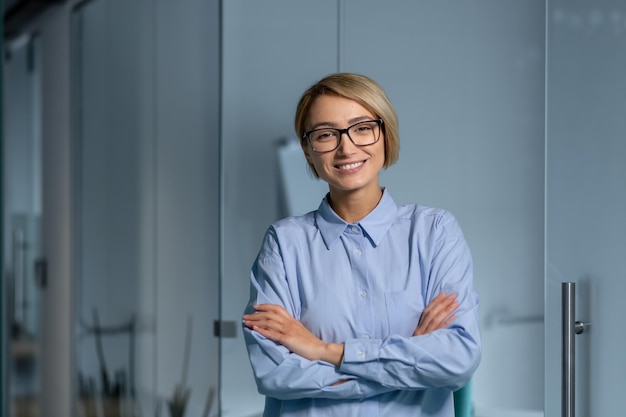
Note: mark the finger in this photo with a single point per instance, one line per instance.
(437, 314)
(423, 329)
(272, 321)
(435, 308)
(441, 319)
(436, 302)
(270, 308)
(264, 311)
(268, 333)
(266, 324)
(269, 324)
(273, 311)
(269, 320)
(449, 321)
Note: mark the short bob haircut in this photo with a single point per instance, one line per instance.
(364, 91)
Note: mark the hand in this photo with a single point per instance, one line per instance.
(275, 323)
(437, 314)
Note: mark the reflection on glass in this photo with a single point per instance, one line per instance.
(143, 263)
(586, 200)
(23, 273)
(111, 341)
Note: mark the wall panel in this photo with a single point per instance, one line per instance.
(272, 50)
(466, 79)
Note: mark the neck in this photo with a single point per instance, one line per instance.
(353, 206)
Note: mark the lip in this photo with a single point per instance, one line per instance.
(348, 167)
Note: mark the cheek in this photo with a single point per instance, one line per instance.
(312, 162)
(380, 154)
(318, 162)
(314, 169)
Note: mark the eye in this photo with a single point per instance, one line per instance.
(323, 135)
(363, 128)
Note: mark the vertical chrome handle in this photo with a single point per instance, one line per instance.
(571, 328)
(568, 291)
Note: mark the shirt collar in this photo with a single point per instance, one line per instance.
(375, 225)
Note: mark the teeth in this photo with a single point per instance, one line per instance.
(350, 166)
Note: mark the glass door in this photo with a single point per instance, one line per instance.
(586, 202)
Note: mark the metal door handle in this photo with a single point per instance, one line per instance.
(570, 329)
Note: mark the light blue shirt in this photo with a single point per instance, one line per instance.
(366, 285)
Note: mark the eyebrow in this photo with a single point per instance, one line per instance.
(334, 125)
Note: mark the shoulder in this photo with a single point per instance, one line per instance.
(432, 219)
(289, 229)
(293, 224)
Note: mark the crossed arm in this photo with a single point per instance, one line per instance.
(275, 323)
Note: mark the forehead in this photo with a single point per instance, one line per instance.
(336, 110)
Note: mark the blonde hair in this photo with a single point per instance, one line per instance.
(362, 90)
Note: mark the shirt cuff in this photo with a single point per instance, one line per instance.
(358, 350)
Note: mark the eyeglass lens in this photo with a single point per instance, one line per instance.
(361, 134)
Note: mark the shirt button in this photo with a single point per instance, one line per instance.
(358, 252)
(361, 354)
(363, 293)
(355, 229)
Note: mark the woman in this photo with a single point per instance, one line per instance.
(362, 307)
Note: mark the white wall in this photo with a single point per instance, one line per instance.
(272, 51)
(467, 81)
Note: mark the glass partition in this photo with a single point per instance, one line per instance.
(22, 269)
(585, 204)
(115, 283)
(145, 225)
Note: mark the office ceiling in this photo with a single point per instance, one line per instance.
(9, 3)
(17, 13)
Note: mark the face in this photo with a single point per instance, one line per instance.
(348, 168)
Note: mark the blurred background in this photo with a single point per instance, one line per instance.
(148, 144)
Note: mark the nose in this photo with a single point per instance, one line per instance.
(346, 146)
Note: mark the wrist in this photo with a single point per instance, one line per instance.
(333, 353)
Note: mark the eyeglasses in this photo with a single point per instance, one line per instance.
(328, 139)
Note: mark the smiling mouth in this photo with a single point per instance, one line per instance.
(347, 167)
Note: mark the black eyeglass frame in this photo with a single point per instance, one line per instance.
(340, 132)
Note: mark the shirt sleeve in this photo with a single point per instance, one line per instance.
(445, 358)
(280, 373)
